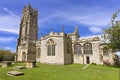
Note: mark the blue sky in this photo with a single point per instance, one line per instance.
(91, 17)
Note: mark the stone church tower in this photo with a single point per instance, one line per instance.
(26, 48)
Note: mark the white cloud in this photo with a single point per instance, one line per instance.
(7, 39)
(9, 23)
(4, 41)
(10, 12)
(8, 48)
(95, 29)
(90, 16)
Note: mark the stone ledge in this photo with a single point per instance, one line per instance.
(14, 73)
(30, 64)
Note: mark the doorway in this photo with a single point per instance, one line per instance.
(88, 60)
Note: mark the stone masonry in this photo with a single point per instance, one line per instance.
(57, 48)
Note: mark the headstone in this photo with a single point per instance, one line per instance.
(30, 64)
(6, 63)
(14, 73)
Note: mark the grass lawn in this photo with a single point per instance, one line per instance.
(60, 72)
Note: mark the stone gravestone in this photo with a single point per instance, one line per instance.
(14, 73)
(30, 64)
(6, 63)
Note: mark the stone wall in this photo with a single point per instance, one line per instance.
(93, 58)
(59, 51)
(68, 57)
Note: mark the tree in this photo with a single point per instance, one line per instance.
(114, 33)
(6, 55)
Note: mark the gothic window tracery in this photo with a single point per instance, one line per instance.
(87, 48)
(77, 49)
(50, 47)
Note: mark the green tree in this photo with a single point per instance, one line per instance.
(6, 55)
(114, 33)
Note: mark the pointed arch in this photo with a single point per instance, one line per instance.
(87, 48)
(77, 49)
(51, 47)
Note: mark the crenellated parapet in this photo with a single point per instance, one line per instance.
(89, 39)
(53, 34)
(28, 8)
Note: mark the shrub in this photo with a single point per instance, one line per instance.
(116, 60)
(106, 62)
(6, 55)
(93, 63)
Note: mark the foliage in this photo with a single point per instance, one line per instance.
(116, 60)
(93, 63)
(114, 33)
(61, 72)
(6, 55)
(106, 62)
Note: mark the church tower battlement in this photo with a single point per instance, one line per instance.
(28, 34)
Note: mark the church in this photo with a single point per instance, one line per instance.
(58, 48)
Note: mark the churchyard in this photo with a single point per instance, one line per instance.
(61, 72)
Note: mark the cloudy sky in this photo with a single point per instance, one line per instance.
(91, 17)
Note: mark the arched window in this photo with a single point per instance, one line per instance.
(51, 47)
(87, 48)
(77, 49)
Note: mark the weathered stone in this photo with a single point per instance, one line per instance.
(30, 64)
(14, 73)
(30, 48)
(26, 48)
(6, 63)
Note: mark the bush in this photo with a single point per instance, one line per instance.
(106, 62)
(93, 63)
(116, 60)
